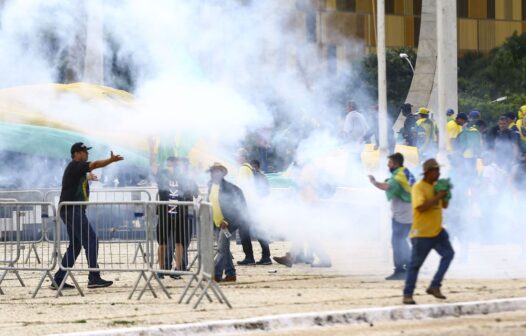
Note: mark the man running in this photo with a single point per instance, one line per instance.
(427, 232)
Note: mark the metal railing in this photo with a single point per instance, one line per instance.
(163, 226)
(22, 245)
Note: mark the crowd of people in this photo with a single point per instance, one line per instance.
(416, 205)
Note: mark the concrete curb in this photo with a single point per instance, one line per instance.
(321, 319)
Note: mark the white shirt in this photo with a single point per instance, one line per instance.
(355, 126)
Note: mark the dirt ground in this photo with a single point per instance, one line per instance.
(267, 290)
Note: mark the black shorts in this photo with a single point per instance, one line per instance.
(174, 226)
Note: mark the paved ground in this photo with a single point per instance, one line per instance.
(352, 283)
(510, 324)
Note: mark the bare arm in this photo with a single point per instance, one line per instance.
(432, 202)
(103, 163)
(380, 185)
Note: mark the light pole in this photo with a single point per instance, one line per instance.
(406, 57)
(382, 77)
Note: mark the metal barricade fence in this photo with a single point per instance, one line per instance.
(22, 247)
(165, 226)
(30, 195)
(131, 226)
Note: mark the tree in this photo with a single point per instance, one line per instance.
(399, 76)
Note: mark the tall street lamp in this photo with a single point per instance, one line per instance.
(406, 57)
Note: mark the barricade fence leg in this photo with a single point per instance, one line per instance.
(187, 288)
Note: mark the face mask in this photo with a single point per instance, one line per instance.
(392, 169)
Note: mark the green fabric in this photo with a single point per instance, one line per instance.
(470, 140)
(55, 143)
(395, 189)
(444, 185)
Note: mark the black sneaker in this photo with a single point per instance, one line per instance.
(264, 261)
(66, 286)
(99, 283)
(247, 262)
(175, 276)
(160, 275)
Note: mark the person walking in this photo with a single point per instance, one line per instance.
(246, 180)
(229, 213)
(398, 191)
(428, 197)
(75, 188)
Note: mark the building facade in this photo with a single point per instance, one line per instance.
(482, 24)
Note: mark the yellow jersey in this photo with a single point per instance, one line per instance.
(426, 224)
(453, 130)
(217, 214)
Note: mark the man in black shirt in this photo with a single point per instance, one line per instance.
(174, 224)
(75, 188)
(408, 131)
(504, 141)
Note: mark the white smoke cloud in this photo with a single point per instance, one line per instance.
(209, 69)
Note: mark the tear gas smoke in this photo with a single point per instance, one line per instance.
(213, 70)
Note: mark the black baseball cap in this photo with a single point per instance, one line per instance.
(79, 147)
(462, 116)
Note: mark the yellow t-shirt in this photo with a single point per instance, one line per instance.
(426, 224)
(453, 130)
(217, 214)
(245, 172)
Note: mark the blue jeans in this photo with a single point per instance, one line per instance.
(421, 249)
(223, 261)
(80, 234)
(400, 243)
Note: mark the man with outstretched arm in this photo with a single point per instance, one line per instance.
(75, 188)
(398, 191)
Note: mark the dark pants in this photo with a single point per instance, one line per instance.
(246, 242)
(400, 243)
(421, 249)
(223, 260)
(80, 234)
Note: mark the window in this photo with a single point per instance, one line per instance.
(462, 8)
(491, 9)
(346, 5)
(389, 6)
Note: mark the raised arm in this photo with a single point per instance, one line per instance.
(380, 185)
(103, 163)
